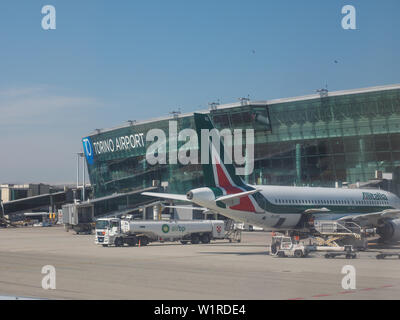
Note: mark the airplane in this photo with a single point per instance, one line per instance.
(285, 208)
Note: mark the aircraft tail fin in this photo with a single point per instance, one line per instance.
(219, 170)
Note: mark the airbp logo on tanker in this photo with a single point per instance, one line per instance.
(165, 228)
(178, 228)
(374, 196)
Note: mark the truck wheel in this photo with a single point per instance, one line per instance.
(132, 242)
(105, 245)
(298, 254)
(118, 242)
(205, 238)
(144, 241)
(195, 239)
(281, 254)
(184, 241)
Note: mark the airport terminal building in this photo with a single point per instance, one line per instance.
(327, 139)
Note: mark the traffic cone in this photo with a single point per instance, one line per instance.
(139, 243)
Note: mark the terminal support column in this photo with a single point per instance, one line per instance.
(84, 183)
(298, 162)
(362, 159)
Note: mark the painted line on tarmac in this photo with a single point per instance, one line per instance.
(344, 292)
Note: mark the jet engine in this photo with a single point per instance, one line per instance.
(390, 231)
(201, 195)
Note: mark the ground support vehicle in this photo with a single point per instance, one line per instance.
(283, 246)
(383, 255)
(117, 232)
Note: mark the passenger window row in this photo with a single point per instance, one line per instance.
(331, 202)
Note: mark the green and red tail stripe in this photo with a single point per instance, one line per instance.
(220, 172)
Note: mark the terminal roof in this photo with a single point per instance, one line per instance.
(257, 103)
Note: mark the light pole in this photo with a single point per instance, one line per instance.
(77, 170)
(80, 155)
(2, 208)
(84, 174)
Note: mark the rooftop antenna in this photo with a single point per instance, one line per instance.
(176, 114)
(131, 122)
(244, 101)
(214, 105)
(323, 92)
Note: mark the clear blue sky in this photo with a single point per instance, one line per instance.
(111, 61)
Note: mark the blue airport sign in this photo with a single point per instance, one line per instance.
(88, 149)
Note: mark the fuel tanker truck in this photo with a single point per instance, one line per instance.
(117, 232)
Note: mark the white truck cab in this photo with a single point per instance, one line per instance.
(107, 230)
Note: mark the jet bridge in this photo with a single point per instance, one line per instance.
(11, 210)
(80, 216)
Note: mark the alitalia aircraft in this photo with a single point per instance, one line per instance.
(286, 208)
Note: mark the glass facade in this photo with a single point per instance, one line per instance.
(315, 141)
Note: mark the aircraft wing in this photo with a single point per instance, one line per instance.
(187, 208)
(226, 199)
(372, 218)
(171, 196)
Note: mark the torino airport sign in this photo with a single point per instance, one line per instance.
(111, 145)
(159, 143)
(119, 143)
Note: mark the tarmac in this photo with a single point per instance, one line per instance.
(217, 271)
